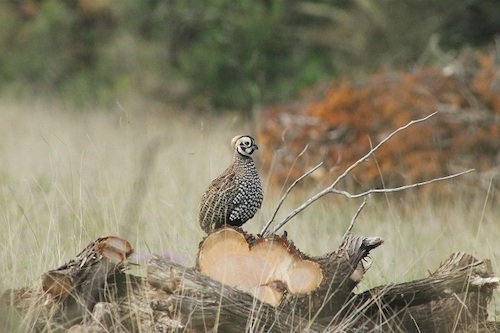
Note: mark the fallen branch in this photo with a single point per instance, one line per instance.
(271, 220)
(331, 188)
(400, 188)
(453, 299)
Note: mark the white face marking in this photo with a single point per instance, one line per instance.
(246, 145)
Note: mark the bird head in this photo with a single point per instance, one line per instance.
(244, 145)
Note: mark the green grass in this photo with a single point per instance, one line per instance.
(67, 177)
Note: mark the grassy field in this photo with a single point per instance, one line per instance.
(137, 171)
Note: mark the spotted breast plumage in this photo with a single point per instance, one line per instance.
(235, 196)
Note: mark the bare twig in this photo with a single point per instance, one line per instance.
(353, 220)
(400, 188)
(286, 195)
(331, 189)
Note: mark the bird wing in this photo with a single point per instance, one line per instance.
(216, 203)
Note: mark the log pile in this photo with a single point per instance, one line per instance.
(268, 285)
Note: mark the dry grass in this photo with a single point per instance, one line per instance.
(67, 178)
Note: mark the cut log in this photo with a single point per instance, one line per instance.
(83, 273)
(274, 271)
(264, 267)
(68, 294)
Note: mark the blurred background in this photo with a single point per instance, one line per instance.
(223, 54)
(116, 115)
(352, 69)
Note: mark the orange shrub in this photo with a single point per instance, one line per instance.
(340, 127)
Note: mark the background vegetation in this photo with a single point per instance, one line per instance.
(223, 53)
(348, 119)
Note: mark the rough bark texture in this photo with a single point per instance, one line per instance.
(93, 294)
(455, 297)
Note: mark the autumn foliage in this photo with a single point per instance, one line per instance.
(348, 119)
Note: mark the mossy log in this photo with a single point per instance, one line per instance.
(92, 293)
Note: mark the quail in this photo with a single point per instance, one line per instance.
(235, 196)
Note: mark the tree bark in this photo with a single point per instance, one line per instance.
(454, 298)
